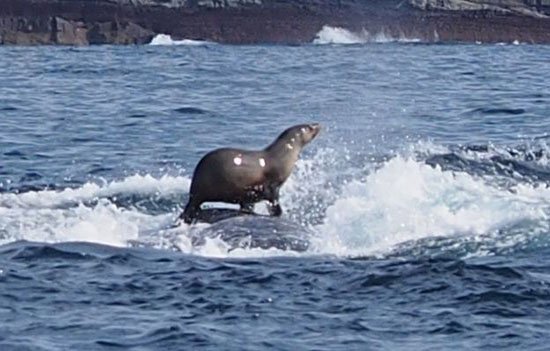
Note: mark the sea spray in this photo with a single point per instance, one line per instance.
(87, 213)
(166, 40)
(408, 200)
(351, 210)
(338, 35)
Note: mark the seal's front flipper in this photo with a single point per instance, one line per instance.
(274, 209)
(190, 213)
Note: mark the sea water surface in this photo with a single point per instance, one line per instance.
(424, 202)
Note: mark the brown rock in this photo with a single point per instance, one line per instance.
(68, 32)
(118, 33)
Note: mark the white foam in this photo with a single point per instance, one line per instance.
(407, 200)
(85, 213)
(315, 183)
(338, 35)
(514, 42)
(369, 212)
(165, 39)
(136, 184)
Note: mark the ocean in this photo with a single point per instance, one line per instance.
(418, 219)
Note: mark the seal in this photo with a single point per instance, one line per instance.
(246, 177)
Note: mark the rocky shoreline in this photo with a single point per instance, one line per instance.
(85, 22)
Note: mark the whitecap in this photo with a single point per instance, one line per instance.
(407, 200)
(339, 35)
(165, 39)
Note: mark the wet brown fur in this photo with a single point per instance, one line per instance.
(217, 177)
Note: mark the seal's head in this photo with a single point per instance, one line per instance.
(300, 135)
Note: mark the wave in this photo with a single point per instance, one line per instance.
(409, 200)
(338, 35)
(165, 39)
(91, 212)
(140, 184)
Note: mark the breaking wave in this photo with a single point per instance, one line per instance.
(165, 39)
(407, 200)
(457, 196)
(338, 35)
(107, 213)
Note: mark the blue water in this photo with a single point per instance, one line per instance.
(424, 203)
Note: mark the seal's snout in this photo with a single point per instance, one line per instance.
(316, 127)
(308, 132)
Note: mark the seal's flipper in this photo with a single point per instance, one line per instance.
(274, 209)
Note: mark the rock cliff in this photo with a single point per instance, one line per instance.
(83, 22)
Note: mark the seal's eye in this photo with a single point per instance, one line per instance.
(304, 130)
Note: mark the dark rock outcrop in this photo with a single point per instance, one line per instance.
(83, 22)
